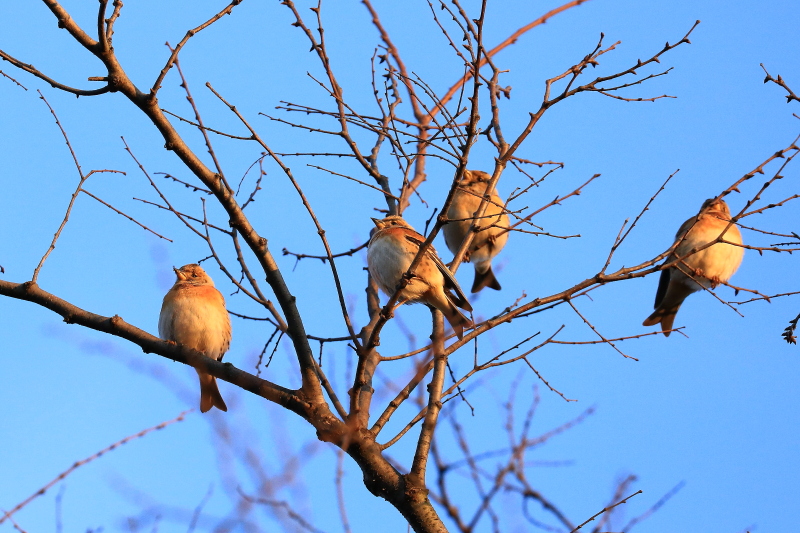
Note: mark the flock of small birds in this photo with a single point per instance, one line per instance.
(193, 313)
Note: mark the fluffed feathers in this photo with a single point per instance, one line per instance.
(487, 242)
(194, 314)
(705, 268)
(392, 248)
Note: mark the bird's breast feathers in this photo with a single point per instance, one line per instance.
(389, 256)
(196, 316)
(719, 260)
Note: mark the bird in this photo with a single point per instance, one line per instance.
(493, 234)
(392, 247)
(705, 268)
(193, 314)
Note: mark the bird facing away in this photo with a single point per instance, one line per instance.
(194, 314)
(392, 248)
(488, 242)
(706, 268)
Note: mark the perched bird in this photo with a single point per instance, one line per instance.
(707, 267)
(392, 248)
(194, 314)
(488, 242)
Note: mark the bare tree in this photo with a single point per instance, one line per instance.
(380, 155)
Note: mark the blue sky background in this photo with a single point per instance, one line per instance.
(718, 410)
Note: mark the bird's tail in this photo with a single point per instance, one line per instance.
(209, 393)
(485, 279)
(668, 308)
(456, 319)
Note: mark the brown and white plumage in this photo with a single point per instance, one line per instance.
(703, 269)
(194, 314)
(488, 242)
(392, 248)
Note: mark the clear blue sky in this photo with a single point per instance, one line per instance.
(717, 410)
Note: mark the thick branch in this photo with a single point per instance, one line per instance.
(116, 326)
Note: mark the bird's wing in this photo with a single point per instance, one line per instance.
(226, 330)
(686, 226)
(663, 283)
(450, 282)
(165, 319)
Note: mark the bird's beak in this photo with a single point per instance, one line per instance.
(178, 273)
(377, 222)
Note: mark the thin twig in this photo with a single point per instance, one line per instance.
(126, 216)
(91, 458)
(72, 199)
(605, 510)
